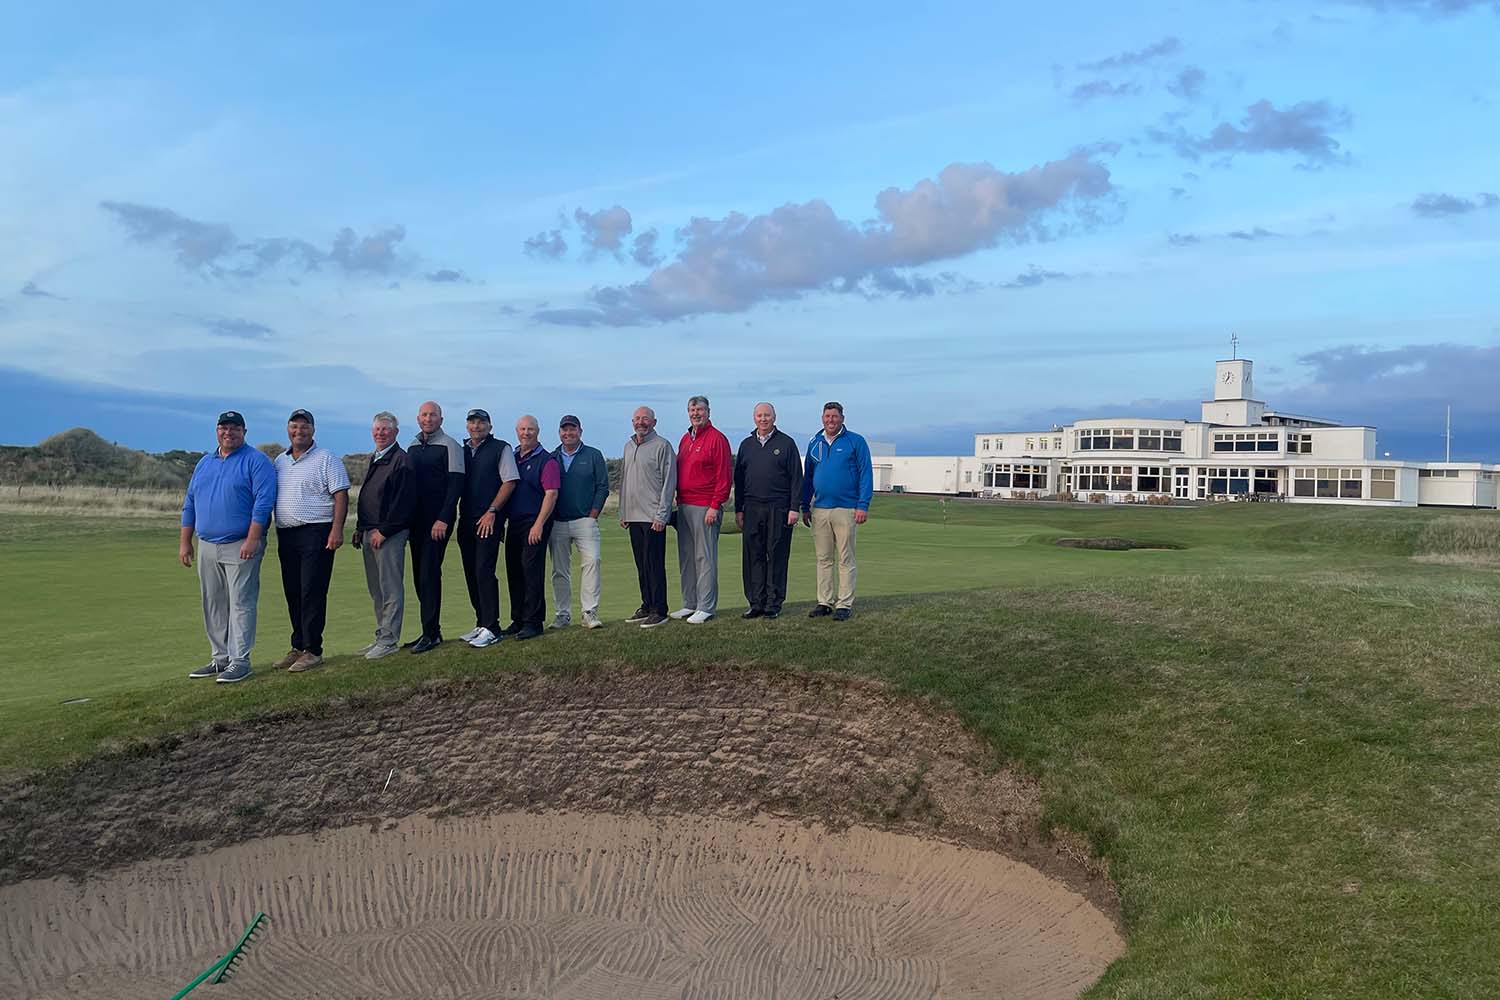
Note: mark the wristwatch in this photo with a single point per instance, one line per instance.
(493, 510)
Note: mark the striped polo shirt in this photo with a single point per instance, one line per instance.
(305, 486)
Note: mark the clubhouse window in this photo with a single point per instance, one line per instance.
(1171, 441)
(1228, 481)
(1382, 484)
(1057, 444)
(1265, 481)
(1149, 439)
(1304, 482)
(1122, 439)
(984, 445)
(1438, 473)
(1299, 444)
(1121, 478)
(1149, 478)
(1092, 478)
(1247, 441)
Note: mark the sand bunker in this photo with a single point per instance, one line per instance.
(729, 833)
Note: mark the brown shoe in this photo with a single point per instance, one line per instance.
(305, 662)
(285, 663)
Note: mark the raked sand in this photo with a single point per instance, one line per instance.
(565, 905)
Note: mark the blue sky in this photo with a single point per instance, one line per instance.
(954, 218)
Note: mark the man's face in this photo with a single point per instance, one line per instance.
(383, 434)
(765, 419)
(299, 433)
(643, 422)
(526, 434)
(569, 435)
(697, 414)
(430, 418)
(833, 421)
(231, 436)
(479, 429)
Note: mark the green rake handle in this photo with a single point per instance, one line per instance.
(228, 963)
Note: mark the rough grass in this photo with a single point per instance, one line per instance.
(1282, 739)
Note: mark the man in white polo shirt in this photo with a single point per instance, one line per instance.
(312, 499)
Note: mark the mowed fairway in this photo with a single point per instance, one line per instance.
(1283, 737)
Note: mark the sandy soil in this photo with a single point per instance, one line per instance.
(728, 832)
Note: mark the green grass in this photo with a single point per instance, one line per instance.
(1284, 738)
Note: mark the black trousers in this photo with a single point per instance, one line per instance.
(481, 556)
(306, 568)
(525, 570)
(650, 551)
(767, 547)
(427, 575)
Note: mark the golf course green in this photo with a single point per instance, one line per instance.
(1280, 730)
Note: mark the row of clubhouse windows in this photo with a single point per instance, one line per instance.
(1211, 481)
(1126, 439)
(1037, 443)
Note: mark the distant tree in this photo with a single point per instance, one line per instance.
(271, 449)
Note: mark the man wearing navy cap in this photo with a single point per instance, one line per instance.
(228, 505)
(489, 481)
(312, 501)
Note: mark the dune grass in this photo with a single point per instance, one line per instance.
(1282, 738)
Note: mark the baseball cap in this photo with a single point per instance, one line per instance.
(567, 420)
(301, 415)
(232, 418)
(478, 414)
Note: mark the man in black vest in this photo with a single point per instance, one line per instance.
(767, 486)
(529, 512)
(437, 463)
(489, 479)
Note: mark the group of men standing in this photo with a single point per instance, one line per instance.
(528, 501)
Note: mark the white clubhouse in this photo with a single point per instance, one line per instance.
(1238, 450)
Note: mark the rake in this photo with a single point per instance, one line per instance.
(228, 963)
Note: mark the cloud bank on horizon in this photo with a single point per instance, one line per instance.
(967, 223)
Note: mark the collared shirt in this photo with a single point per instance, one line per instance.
(228, 493)
(306, 486)
(566, 457)
(763, 438)
(382, 452)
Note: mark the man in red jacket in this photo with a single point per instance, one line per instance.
(705, 475)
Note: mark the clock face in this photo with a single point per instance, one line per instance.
(1229, 376)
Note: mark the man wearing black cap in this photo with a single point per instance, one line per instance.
(585, 485)
(488, 483)
(228, 504)
(312, 500)
(437, 464)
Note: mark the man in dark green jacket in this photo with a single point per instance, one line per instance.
(585, 484)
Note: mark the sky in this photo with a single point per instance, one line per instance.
(956, 218)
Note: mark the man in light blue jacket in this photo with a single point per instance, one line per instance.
(836, 486)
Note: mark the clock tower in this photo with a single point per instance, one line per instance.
(1233, 404)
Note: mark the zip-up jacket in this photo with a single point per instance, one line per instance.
(768, 473)
(388, 495)
(437, 463)
(705, 468)
(649, 480)
(585, 483)
(837, 474)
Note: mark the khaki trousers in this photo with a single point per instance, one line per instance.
(833, 540)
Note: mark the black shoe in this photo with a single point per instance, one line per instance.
(753, 613)
(772, 613)
(510, 629)
(641, 614)
(820, 611)
(409, 645)
(426, 643)
(526, 632)
(842, 615)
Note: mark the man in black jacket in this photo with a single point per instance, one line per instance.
(767, 487)
(381, 529)
(489, 480)
(437, 463)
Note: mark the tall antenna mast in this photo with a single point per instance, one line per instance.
(1448, 435)
(1234, 346)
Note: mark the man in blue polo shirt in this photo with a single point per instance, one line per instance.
(228, 505)
(837, 483)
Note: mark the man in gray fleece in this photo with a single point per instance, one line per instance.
(647, 485)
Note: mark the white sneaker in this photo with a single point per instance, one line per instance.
(484, 637)
(591, 620)
(561, 622)
(698, 617)
(682, 613)
(472, 634)
(381, 650)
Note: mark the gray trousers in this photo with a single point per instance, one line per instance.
(385, 570)
(698, 558)
(231, 589)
